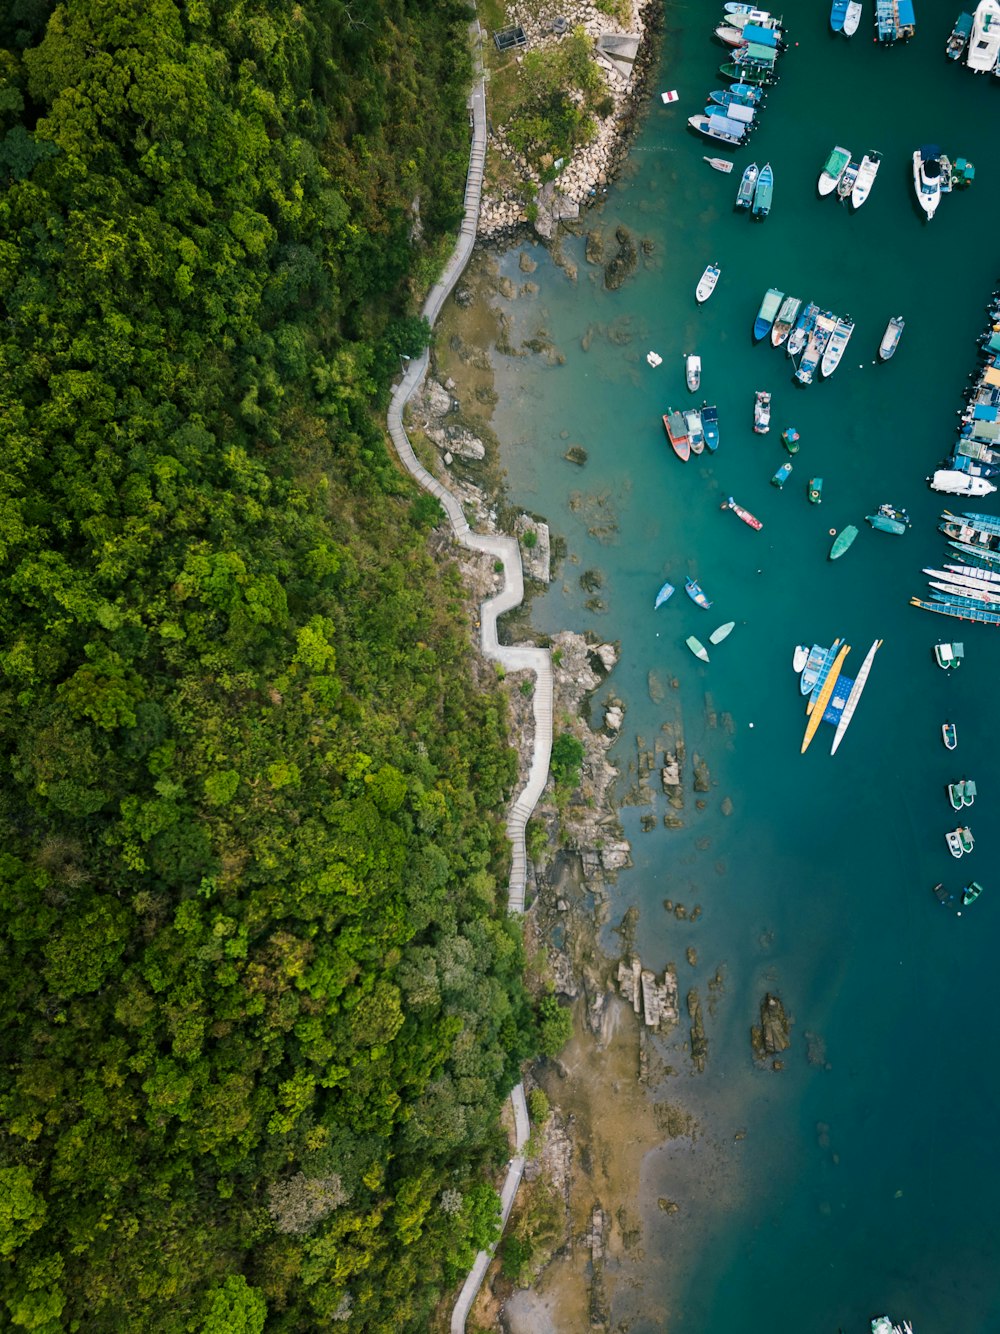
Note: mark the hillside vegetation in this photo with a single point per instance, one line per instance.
(261, 997)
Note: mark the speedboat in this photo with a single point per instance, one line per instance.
(692, 371)
(696, 434)
(762, 412)
(763, 193)
(833, 168)
(744, 196)
(954, 842)
(803, 328)
(852, 17)
(786, 317)
(955, 483)
(866, 175)
(927, 177)
(835, 347)
(949, 735)
(984, 42)
(706, 284)
(959, 38)
(710, 425)
(890, 339)
(693, 590)
(665, 592)
(800, 657)
(846, 183)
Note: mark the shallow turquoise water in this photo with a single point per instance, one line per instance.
(867, 1177)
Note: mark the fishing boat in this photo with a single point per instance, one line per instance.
(743, 115)
(852, 18)
(959, 37)
(848, 177)
(833, 168)
(706, 283)
(962, 793)
(749, 519)
(800, 657)
(886, 525)
(954, 841)
(842, 541)
(784, 320)
(767, 313)
(815, 492)
(813, 666)
(762, 412)
(852, 699)
(697, 648)
(949, 735)
(747, 12)
(829, 657)
(790, 439)
(927, 177)
(946, 897)
(966, 839)
(742, 94)
(710, 425)
(781, 476)
(666, 591)
(804, 326)
(767, 35)
(956, 483)
(693, 590)
(865, 178)
(763, 193)
(894, 21)
(654, 359)
(971, 892)
(744, 195)
(759, 75)
(984, 41)
(815, 347)
(823, 698)
(837, 15)
(696, 435)
(719, 127)
(990, 577)
(719, 163)
(890, 339)
(674, 425)
(729, 35)
(962, 610)
(835, 347)
(723, 632)
(692, 371)
(976, 596)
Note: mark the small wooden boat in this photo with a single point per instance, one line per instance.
(949, 656)
(815, 491)
(823, 698)
(743, 514)
(692, 371)
(790, 439)
(959, 38)
(842, 541)
(971, 892)
(654, 359)
(710, 425)
(706, 283)
(886, 525)
(666, 591)
(744, 195)
(693, 590)
(674, 425)
(949, 735)
(800, 657)
(890, 339)
(719, 163)
(697, 648)
(954, 843)
(763, 193)
(717, 636)
(781, 476)
(762, 411)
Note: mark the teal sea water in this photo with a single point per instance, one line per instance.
(868, 1176)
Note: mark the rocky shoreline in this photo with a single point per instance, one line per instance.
(624, 53)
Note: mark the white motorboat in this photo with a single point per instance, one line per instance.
(833, 168)
(654, 358)
(852, 18)
(800, 657)
(706, 283)
(927, 177)
(865, 178)
(984, 42)
(890, 339)
(954, 483)
(834, 349)
(762, 412)
(692, 374)
(784, 320)
(954, 840)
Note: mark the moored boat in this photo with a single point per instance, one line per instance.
(736, 111)
(710, 425)
(927, 177)
(890, 339)
(782, 475)
(833, 168)
(692, 371)
(954, 842)
(804, 326)
(835, 347)
(956, 483)
(823, 698)
(694, 592)
(842, 541)
(966, 839)
(865, 178)
(719, 163)
(815, 347)
(790, 439)
(813, 666)
(666, 591)
(852, 700)
(697, 648)
(984, 40)
(706, 283)
(784, 320)
(894, 21)
(722, 632)
(744, 195)
(749, 519)
(886, 525)
(742, 94)
(759, 75)
(767, 313)
(963, 793)
(971, 892)
(676, 429)
(959, 37)
(762, 412)
(800, 657)
(815, 491)
(696, 434)
(763, 193)
(729, 35)
(719, 128)
(949, 735)
(838, 12)
(852, 18)
(847, 180)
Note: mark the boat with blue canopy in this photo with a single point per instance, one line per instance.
(767, 313)
(894, 21)
(763, 193)
(718, 127)
(958, 40)
(710, 426)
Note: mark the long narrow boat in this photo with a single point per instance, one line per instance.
(823, 673)
(697, 648)
(811, 670)
(750, 520)
(839, 339)
(744, 195)
(973, 572)
(971, 583)
(763, 193)
(816, 717)
(978, 614)
(860, 682)
(786, 317)
(676, 429)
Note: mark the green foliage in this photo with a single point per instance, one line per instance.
(262, 999)
(555, 1026)
(545, 121)
(567, 757)
(538, 1106)
(530, 539)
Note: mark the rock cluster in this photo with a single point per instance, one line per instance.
(655, 1001)
(771, 1035)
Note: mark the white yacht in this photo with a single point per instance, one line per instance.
(984, 43)
(927, 177)
(865, 177)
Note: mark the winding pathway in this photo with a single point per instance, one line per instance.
(536, 660)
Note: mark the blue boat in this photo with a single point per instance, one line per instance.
(769, 308)
(664, 593)
(811, 671)
(744, 196)
(781, 476)
(951, 608)
(959, 38)
(894, 21)
(837, 15)
(804, 326)
(763, 193)
(728, 99)
(710, 426)
(767, 37)
(693, 590)
(829, 659)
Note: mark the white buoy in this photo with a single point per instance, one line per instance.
(751, 724)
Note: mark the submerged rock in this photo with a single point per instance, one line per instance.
(770, 1036)
(576, 454)
(617, 270)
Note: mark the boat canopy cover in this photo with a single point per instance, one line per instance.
(756, 51)
(994, 344)
(724, 125)
(837, 161)
(985, 414)
(992, 376)
(904, 13)
(752, 32)
(745, 115)
(963, 24)
(929, 151)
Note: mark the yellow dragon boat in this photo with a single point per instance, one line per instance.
(816, 717)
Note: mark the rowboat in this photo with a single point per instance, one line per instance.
(823, 699)
(852, 700)
(710, 425)
(706, 283)
(665, 592)
(971, 892)
(815, 492)
(693, 590)
(743, 514)
(719, 163)
(674, 425)
(890, 339)
(842, 541)
(692, 371)
(697, 648)
(717, 636)
(949, 735)
(885, 524)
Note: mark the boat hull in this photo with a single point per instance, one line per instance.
(842, 541)
(890, 339)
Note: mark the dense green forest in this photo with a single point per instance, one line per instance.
(261, 998)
